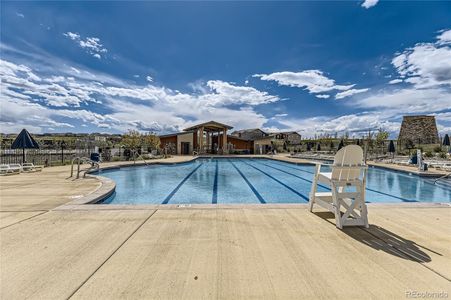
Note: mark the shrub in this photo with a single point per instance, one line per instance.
(437, 149)
(428, 154)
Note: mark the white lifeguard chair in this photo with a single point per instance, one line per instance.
(347, 181)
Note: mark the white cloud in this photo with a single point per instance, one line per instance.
(75, 70)
(73, 36)
(426, 64)
(92, 45)
(369, 3)
(322, 96)
(355, 124)
(395, 81)
(312, 80)
(349, 93)
(20, 15)
(149, 79)
(408, 100)
(149, 107)
(444, 37)
(228, 94)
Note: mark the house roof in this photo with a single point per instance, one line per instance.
(287, 132)
(247, 130)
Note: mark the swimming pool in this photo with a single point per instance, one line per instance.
(245, 180)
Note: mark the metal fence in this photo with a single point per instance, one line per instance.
(47, 157)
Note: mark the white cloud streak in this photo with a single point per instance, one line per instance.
(395, 81)
(369, 3)
(312, 80)
(349, 93)
(92, 45)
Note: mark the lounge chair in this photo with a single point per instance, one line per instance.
(7, 170)
(30, 167)
(16, 167)
(347, 183)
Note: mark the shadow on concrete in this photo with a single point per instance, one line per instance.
(382, 239)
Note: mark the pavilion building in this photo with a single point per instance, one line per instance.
(213, 138)
(206, 138)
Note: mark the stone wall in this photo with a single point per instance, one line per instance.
(419, 129)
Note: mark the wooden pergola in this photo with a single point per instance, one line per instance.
(206, 133)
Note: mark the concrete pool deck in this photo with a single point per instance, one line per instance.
(203, 252)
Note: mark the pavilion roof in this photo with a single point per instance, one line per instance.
(209, 126)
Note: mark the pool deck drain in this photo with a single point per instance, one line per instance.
(189, 251)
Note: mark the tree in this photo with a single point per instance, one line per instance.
(151, 141)
(132, 140)
(368, 144)
(381, 136)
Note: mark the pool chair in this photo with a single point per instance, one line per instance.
(30, 167)
(7, 170)
(346, 181)
(16, 167)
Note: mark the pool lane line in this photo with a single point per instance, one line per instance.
(166, 200)
(280, 182)
(286, 172)
(257, 194)
(109, 256)
(214, 198)
(328, 188)
(294, 168)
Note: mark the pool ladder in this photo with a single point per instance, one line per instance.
(442, 177)
(139, 155)
(79, 160)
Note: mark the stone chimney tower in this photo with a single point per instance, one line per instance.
(419, 129)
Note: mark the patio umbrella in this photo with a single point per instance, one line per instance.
(24, 141)
(341, 145)
(446, 140)
(391, 148)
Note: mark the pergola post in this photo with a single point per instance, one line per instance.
(208, 144)
(224, 141)
(201, 139)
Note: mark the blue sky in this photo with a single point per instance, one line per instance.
(314, 67)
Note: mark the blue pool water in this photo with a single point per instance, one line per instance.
(252, 181)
